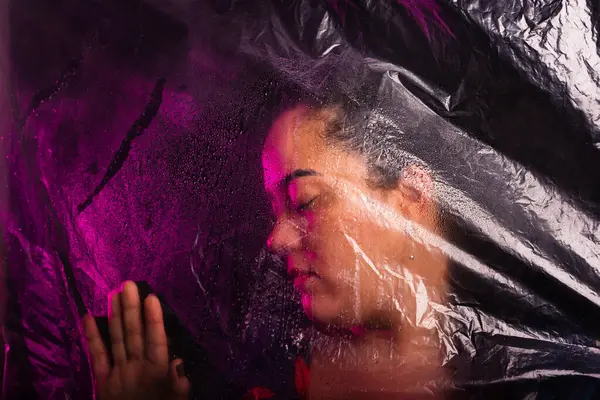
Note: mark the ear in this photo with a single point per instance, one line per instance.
(415, 189)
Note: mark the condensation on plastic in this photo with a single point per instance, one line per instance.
(5, 119)
(136, 154)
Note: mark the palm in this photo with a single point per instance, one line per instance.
(141, 361)
(134, 379)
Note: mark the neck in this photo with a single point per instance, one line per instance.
(408, 320)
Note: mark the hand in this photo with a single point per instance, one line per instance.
(141, 359)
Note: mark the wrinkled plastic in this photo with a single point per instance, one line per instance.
(136, 152)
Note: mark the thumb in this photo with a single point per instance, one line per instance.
(179, 382)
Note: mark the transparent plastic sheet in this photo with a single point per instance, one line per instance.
(136, 154)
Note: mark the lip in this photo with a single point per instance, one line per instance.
(304, 281)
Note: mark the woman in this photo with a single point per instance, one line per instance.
(353, 226)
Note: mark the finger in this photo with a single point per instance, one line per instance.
(132, 319)
(157, 350)
(180, 383)
(115, 326)
(98, 353)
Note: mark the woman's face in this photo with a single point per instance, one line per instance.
(331, 225)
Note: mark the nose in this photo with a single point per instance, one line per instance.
(285, 237)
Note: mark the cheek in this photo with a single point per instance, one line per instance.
(339, 264)
(332, 252)
(351, 255)
(347, 242)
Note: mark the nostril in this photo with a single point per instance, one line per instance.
(283, 238)
(270, 243)
(274, 246)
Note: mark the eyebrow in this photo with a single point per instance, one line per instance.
(299, 173)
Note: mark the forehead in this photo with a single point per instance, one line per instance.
(294, 142)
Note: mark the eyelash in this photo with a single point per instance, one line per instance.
(305, 206)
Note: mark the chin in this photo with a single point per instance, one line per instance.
(324, 310)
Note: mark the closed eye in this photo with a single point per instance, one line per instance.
(307, 205)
